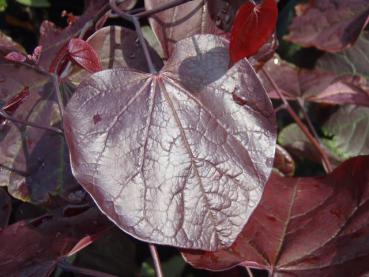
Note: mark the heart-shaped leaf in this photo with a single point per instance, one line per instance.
(253, 26)
(84, 55)
(329, 25)
(179, 157)
(304, 227)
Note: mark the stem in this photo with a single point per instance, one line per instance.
(58, 94)
(136, 23)
(31, 124)
(307, 118)
(156, 260)
(161, 8)
(315, 143)
(84, 271)
(249, 271)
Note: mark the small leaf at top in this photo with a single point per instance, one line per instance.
(84, 55)
(179, 157)
(253, 26)
(306, 227)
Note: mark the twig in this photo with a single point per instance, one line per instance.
(249, 272)
(161, 8)
(315, 143)
(84, 271)
(156, 260)
(307, 118)
(31, 124)
(136, 23)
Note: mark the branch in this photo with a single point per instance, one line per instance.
(156, 260)
(315, 143)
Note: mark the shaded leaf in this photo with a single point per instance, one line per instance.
(180, 22)
(223, 12)
(53, 39)
(34, 248)
(329, 25)
(34, 163)
(352, 61)
(315, 85)
(5, 208)
(115, 48)
(253, 26)
(84, 55)
(348, 129)
(179, 157)
(283, 162)
(305, 227)
(35, 3)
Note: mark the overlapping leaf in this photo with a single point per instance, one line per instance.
(180, 22)
(34, 163)
(305, 227)
(53, 39)
(7, 45)
(34, 248)
(316, 85)
(84, 55)
(116, 47)
(283, 162)
(179, 157)
(329, 25)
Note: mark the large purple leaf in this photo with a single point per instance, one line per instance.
(53, 39)
(329, 25)
(179, 157)
(116, 47)
(34, 248)
(305, 227)
(315, 85)
(34, 163)
(180, 22)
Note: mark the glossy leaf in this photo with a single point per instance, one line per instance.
(305, 227)
(253, 26)
(351, 61)
(53, 39)
(179, 157)
(348, 130)
(34, 163)
(116, 47)
(315, 85)
(180, 22)
(84, 55)
(5, 208)
(329, 25)
(34, 248)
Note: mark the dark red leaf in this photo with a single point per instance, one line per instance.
(84, 55)
(305, 227)
(315, 85)
(253, 26)
(329, 25)
(34, 248)
(34, 163)
(14, 102)
(16, 57)
(5, 208)
(179, 157)
(180, 22)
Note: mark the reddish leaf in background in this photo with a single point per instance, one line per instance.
(15, 57)
(313, 226)
(253, 26)
(179, 157)
(84, 55)
(34, 248)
